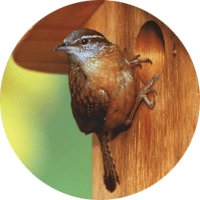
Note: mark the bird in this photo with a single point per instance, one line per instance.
(103, 90)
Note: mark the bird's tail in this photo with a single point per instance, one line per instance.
(110, 176)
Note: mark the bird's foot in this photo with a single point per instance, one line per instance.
(134, 62)
(147, 89)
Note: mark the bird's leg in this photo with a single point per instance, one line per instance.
(143, 96)
(134, 62)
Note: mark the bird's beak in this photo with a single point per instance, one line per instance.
(63, 46)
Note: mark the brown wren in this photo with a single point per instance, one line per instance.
(103, 90)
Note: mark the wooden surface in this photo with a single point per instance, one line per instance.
(158, 138)
(35, 50)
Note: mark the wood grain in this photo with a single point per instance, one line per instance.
(150, 44)
(35, 49)
(158, 138)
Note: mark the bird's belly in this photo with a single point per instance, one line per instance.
(119, 110)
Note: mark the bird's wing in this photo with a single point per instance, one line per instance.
(90, 110)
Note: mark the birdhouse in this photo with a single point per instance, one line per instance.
(158, 139)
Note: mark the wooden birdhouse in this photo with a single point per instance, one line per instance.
(158, 138)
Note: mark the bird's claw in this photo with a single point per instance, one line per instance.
(134, 62)
(153, 90)
(147, 89)
(152, 104)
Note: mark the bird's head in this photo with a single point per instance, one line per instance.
(83, 44)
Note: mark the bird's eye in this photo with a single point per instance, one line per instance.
(84, 41)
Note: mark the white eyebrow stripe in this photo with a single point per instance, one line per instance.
(91, 36)
(88, 36)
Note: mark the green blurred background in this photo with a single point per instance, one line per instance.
(38, 121)
(56, 128)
